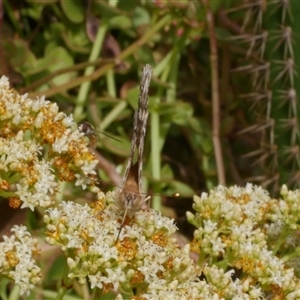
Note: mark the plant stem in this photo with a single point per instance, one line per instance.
(84, 88)
(111, 116)
(101, 71)
(61, 293)
(215, 94)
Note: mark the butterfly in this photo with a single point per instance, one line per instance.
(130, 197)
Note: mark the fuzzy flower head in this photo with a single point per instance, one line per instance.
(145, 261)
(245, 229)
(16, 259)
(39, 146)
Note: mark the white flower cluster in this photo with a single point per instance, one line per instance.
(145, 258)
(16, 259)
(29, 130)
(236, 227)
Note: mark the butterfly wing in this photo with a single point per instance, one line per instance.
(130, 197)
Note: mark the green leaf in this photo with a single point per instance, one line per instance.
(140, 17)
(57, 269)
(54, 31)
(4, 284)
(73, 10)
(120, 22)
(20, 56)
(183, 189)
(199, 125)
(58, 58)
(6, 194)
(14, 178)
(167, 172)
(206, 145)
(145, 55)
(35, 10)
(184, 111)
(76, 40)
(120, 148)
(132, 96)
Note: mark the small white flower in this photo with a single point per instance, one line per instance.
(81, 181)
(16, 259)
(60, 145)
(68, 121)
(4, 82)
(38, 103)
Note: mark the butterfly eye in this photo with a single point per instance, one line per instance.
(86, 128)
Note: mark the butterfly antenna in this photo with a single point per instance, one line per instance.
(122, 224)
(110, 136)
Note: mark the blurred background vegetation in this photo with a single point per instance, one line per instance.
(223, 100)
